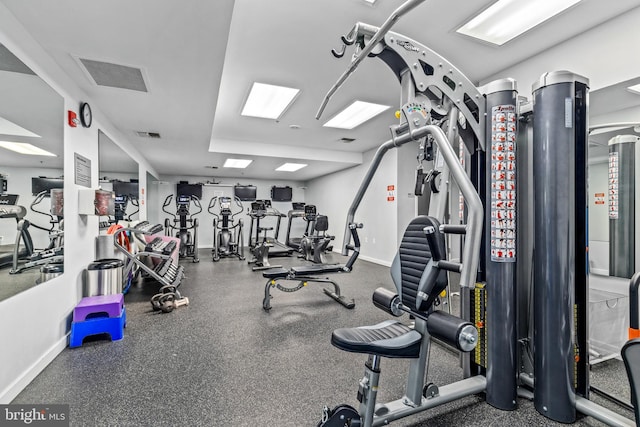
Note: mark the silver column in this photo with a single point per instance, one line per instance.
(500, 226)
(560, 281)
(622, 206)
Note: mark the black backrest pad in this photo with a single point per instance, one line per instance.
(415, 255)
(322, 223)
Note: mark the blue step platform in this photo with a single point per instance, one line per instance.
(114, 326)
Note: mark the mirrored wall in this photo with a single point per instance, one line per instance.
(31, 164)
(118, 172)
(614, 120)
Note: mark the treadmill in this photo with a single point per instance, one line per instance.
(259, 210)
(9, 209)
(296, 212)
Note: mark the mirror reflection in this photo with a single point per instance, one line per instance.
(613, 152)
(31, 168)
(118, 173)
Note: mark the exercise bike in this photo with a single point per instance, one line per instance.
(183, 224)
(314, 245)
(227, 235)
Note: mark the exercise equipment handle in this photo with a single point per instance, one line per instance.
(212, 204)
(453, 229)
(166, 203)
(375, 39)
(434, 247)
(387, 301)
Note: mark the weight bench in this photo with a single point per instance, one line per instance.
(304, 275)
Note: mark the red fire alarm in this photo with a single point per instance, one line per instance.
(73, 119)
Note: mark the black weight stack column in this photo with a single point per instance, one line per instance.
(560, 246)
(500, 223)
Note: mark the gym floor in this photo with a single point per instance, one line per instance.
(223, 361)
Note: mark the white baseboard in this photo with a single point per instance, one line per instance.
(599, 271)
(10, 393)
(375, 260)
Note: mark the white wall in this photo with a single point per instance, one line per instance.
(19, 182)
(35, 323)
(167, 186)
(598, 219)
(334, 193)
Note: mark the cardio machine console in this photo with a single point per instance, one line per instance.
(225, 203)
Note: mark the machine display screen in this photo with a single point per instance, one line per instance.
(281, 194)
(190, 190)
(122, 188)
(245, 192)
(40, 184)
(183, 200)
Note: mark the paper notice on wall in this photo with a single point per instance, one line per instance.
(503, 183)
(613, 185)
(599, 198)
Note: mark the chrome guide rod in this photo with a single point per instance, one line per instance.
(375, 39)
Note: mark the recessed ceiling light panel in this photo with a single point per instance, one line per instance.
(25, 148)
(635, 89)
(355, 114)
(237, 163)
(291, 167)
(506, 19)
(268, 101)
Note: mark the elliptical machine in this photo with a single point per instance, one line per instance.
(227, 235)
(183, 224)
(314, 245)
(121, 204)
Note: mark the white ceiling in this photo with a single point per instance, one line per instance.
(200, 58)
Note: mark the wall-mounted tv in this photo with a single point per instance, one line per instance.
(281, 194)
(41, 183)
(122, 188)
(246, 193)
(186, 189)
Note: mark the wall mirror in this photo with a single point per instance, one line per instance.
(118, 172)
(31, 146)
(613, 161)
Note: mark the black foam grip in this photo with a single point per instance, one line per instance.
(446, 327)
(453, 229)
(384, 299)
(455, 267)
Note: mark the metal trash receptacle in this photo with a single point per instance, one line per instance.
(104, 277)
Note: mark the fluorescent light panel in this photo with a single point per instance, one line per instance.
(7, 127)
(25, 148)
(635, 89)
(355, 114)
(268, 101)
(291, 167)
(237, 163)
(507, 19)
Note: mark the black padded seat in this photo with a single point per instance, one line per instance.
(275, 273)
(306, 270)
(388, 339)
(631, 357)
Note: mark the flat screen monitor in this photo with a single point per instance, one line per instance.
(245, 193)
(122, 188)
(298, 206)
(184, 189)
(41, 183)
(281, 194)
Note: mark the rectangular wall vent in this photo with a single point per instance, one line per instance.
(114, 75)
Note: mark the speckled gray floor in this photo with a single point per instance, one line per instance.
(223, 361)
(13, 284)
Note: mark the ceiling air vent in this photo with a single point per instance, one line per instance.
(347, 140)
(114, 75)
(141, 134)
